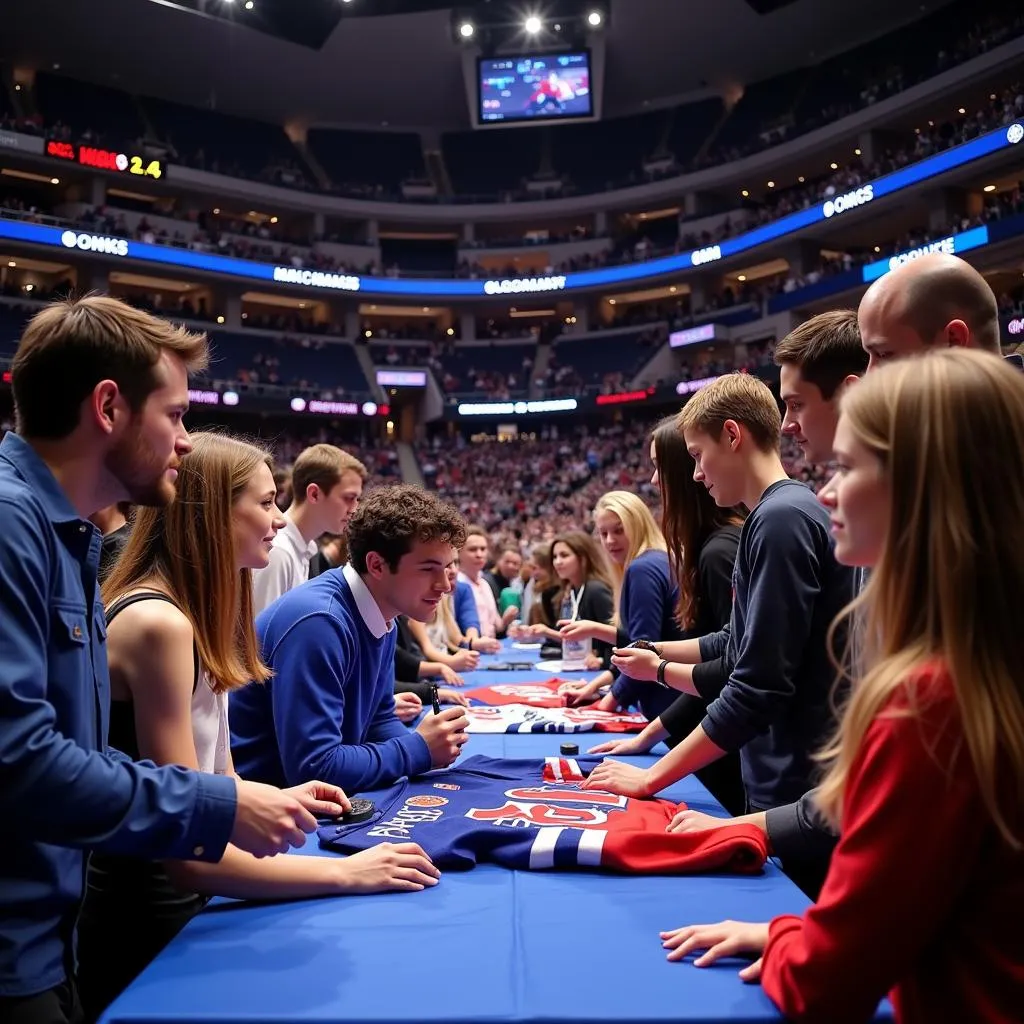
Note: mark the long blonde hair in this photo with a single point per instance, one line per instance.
(190, 546)
(948, 430)
(642, 534)
(444, 615)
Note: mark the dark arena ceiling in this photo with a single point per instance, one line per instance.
(397, 63)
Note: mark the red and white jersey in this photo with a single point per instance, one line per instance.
(533, 815)
(521, 718)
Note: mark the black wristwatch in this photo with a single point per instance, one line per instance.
(661, 674)
(646, 645)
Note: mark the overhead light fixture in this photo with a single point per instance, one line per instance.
(745, 194)
(878, 248)
(55, 181)
(466, 30)
(856, 152)
(961, 110)
(249, 5)
(801, 179)
(11, 264)
(672, 289)
(989, 188)
(220, 319)
(771, 184)
(273, 220)
(611, 302)
(741, 277)
(594, 19)
(450, 332)
(216, 211)
(834, 166)
(533, 25)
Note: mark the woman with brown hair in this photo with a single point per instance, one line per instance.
(586, 591)
(180, 637)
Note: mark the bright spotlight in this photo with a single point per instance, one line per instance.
(533, 25)
(249, 5)
(594, 19)
(466, 30)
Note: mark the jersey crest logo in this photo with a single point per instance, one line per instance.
(426, 801)
(529, 815)
(446, 785)
(543, 806)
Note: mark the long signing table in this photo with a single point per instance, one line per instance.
(484, 945)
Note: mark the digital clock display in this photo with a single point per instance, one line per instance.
(106, 159)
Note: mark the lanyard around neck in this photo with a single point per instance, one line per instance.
(575, 597)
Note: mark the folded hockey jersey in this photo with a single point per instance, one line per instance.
(520, 718)
(543, 694)
(532, 815)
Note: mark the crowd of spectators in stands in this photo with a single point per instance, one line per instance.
(536, 487)
(527, 490)
(968, 33)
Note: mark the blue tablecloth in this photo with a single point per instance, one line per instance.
(484, 945)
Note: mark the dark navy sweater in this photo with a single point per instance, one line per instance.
(776, 708)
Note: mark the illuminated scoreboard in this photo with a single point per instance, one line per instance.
(106, 159)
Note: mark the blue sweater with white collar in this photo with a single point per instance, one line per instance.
(328, 713)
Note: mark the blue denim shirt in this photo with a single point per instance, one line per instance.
(62, 792)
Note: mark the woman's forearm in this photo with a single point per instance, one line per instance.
(241, 876)
(685, 652)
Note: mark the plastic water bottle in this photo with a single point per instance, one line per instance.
(574, 652)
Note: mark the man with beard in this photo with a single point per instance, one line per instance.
(100, 390)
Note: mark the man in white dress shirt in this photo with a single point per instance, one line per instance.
(326, 484)
(472, 559)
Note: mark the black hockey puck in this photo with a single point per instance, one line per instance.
(362, 810)
(568, 748)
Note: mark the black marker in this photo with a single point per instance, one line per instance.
(435, 698)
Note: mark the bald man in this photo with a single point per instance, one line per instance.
(936, 299)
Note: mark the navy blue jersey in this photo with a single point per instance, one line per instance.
(533, 815)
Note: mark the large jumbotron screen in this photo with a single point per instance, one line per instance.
(543, 87)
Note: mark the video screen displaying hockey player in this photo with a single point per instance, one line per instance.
(554, 86)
